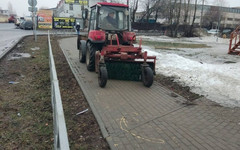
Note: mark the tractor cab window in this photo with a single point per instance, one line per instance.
(92, 22)
(113, 18)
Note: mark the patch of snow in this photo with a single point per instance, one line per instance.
(35, 48)
(203, 70)
(19, 55)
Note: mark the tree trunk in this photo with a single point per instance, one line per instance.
(194, 17)
(178, 18)
(201, 14)
(186, 12)
(148, 14)
(171, 18)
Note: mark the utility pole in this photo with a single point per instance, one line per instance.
(33, 9)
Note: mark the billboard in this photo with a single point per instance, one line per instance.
(45, 19)
(63, 23)
(81, 2)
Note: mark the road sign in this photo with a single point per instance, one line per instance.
(32, 9)
(32, 3)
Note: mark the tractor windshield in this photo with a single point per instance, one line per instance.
(113, 18)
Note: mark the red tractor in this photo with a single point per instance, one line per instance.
(109, 50)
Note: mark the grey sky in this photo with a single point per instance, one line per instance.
(21, 6)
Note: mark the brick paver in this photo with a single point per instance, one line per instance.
(132, 116)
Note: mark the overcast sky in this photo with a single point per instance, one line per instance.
(21, 6)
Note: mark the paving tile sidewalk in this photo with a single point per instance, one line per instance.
(132, 116)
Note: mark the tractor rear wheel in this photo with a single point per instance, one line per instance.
(102, 77)
(147, 76)
(90, 56)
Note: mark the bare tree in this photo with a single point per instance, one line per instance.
(212, 17)
(10, 8)
(134, 6)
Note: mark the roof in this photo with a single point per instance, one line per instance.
(112, 4)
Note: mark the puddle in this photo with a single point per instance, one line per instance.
(229, 62)
(19, 56)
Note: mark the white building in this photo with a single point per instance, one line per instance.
(73, 8)
(228, 17)
(4, 12)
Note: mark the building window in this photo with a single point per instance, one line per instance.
(70, 6)
(237, 19)
(76, 1)
(230, 19)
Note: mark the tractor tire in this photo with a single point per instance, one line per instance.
(90, 56)
(102, 77)
(147, 76)
(78, 43)
(82, 51)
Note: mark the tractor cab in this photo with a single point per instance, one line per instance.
(109, 17)
(108, 20)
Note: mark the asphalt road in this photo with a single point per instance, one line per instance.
(10, 35)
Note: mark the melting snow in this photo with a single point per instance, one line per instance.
(204, 70)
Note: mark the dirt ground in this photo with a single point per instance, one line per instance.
(177, 88)
(25, 100)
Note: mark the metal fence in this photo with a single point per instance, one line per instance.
(60, 131)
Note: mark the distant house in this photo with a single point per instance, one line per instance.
(4, 12)
(4, 15)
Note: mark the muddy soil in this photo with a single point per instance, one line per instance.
(25, 101)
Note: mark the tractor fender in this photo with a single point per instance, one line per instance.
(94, 41)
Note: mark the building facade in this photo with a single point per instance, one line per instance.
(73, 8)
(4, 12)
(226, 17)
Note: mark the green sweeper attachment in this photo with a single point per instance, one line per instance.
(124, 62)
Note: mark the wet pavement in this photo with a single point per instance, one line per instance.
(10, 36)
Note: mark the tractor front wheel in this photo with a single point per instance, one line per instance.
(82, 51)
(147, 76)
(90, 56)
(102, 77)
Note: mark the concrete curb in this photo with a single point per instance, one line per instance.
(94, 110)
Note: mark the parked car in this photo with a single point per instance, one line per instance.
(11, 19)
(26, 24)
(213, 31)
(226, 33)
(18, 21)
